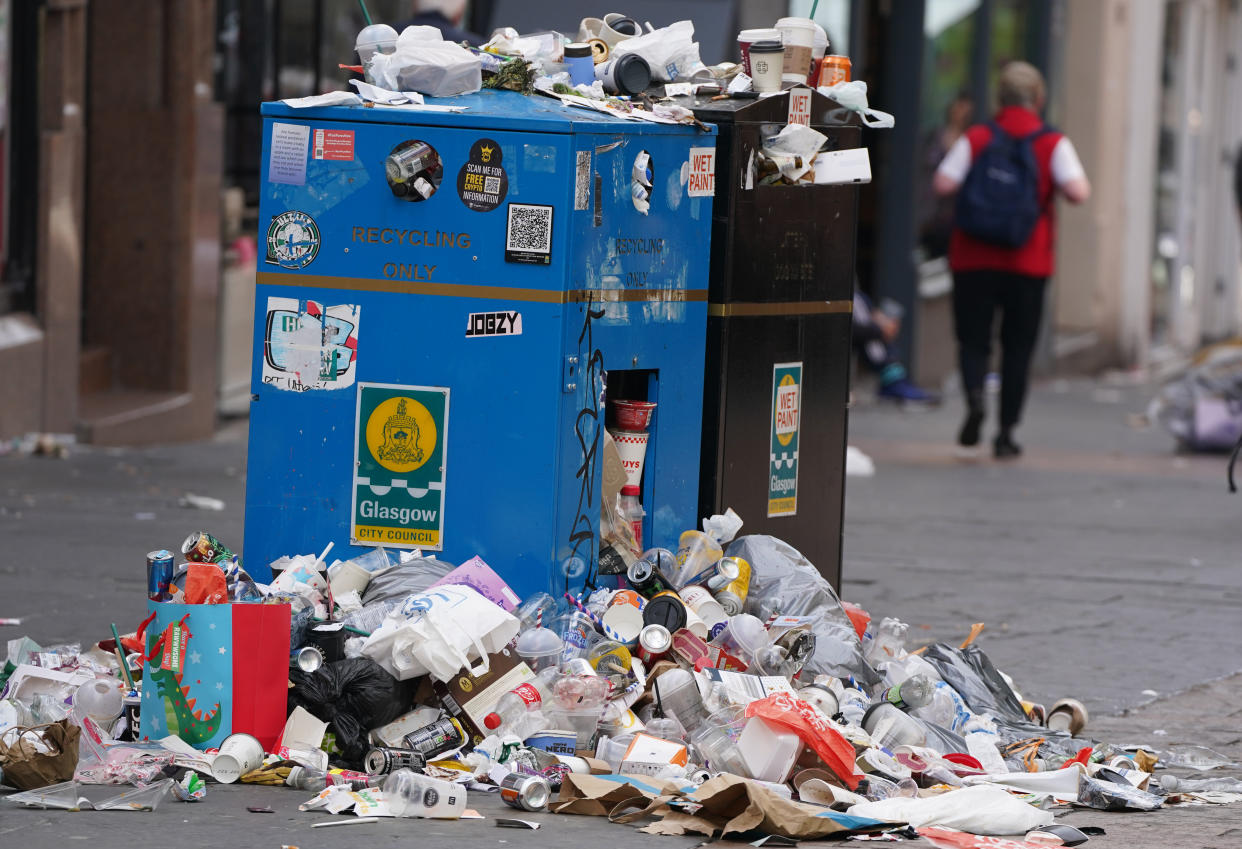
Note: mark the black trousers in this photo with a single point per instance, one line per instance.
(977, 297)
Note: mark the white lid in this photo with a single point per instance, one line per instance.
(759, 34)
(821, 42)
(794, 22)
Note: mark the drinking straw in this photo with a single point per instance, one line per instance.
(120, 655)
(367, 15)
(814, 6)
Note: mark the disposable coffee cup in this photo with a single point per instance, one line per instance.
(628, 73)
(617, 28)
(798, 35)
(632, 448)
(625, 621)
(747, 37)
(346, 577)
(766, 64)
(706, 608)
(239, 754)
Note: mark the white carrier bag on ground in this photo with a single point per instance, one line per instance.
(439, 633)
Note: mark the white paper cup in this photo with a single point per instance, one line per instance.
(799, 37)
(706, 608)
(767, 62)
(632, 447)
(590, 28)
(239, 753)
(625, 621)
(747, 37)
(611, 36)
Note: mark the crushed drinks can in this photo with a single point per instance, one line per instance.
(525, 792)
(383, 760)
(159, 574)
(202, 547)
(654, 641)
(439, 738)
(733, 597)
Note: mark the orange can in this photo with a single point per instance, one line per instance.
(833, 70)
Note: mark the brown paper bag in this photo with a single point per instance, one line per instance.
(26, 768)
(733, 805)
(597, 796)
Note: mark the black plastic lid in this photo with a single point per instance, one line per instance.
(666, 611)
(577, 50)
(631, 73)
(767, 47)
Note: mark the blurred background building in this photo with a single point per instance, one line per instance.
(129, 177)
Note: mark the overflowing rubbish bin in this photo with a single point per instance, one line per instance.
(443, 294)
(778, 354)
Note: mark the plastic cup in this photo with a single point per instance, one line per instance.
(376, 38)
(696, 553)
(540, 648)
(798, 36)
(743, 637)
(101, 700)
(239, 754)
(766, 62)
(747, 37)
(347, 577)
(633, 416)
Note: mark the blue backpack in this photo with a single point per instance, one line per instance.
(998, 202)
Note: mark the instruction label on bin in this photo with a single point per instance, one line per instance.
(399, 466)
(786, 424)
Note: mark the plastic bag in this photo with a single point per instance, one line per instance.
(813, 728)
(783, 581)
(1115, 796)
(670, 51)
(982, 809)
(354, 696)
(853, 96)
(435, 68)
(205, 584)
(440, 632)
(971, 673)
(405, 579)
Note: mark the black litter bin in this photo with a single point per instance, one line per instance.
(778, 334)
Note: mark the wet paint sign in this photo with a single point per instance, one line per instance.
(786, 424)
(307, 345)
(399, 466)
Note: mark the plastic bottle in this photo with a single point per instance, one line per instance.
(888, 641)
(530, 695)
(946, 709)
(915, 692)
(632, 511)
(717, 750)
(853, 705)
(313, 780)
(1190, 785)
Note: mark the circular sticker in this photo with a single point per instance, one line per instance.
(430, 797)
(482, 182)
(401, 434)
(292, 240)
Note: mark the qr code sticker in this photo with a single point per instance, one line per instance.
(530, 229)
(491, 185)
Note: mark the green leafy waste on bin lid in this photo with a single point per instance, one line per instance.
(514, 75)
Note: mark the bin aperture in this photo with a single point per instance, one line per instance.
(413, 170)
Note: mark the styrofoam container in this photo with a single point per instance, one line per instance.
(769, 752)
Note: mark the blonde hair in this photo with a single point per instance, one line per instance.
(1021, 84)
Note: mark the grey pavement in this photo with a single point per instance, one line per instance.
(1102, 563)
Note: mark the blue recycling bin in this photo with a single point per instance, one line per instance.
(444, 297)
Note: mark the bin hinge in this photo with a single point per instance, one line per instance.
(571, 373)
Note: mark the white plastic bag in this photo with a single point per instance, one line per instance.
(982, 809)
(670, 51)
(424, 64)
(440, 632)
(853, 96)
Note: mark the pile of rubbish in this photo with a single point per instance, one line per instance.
(612, 64)
(722, 689)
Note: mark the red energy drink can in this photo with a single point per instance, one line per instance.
(654, 642)
(202, 547)
(159, 574)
